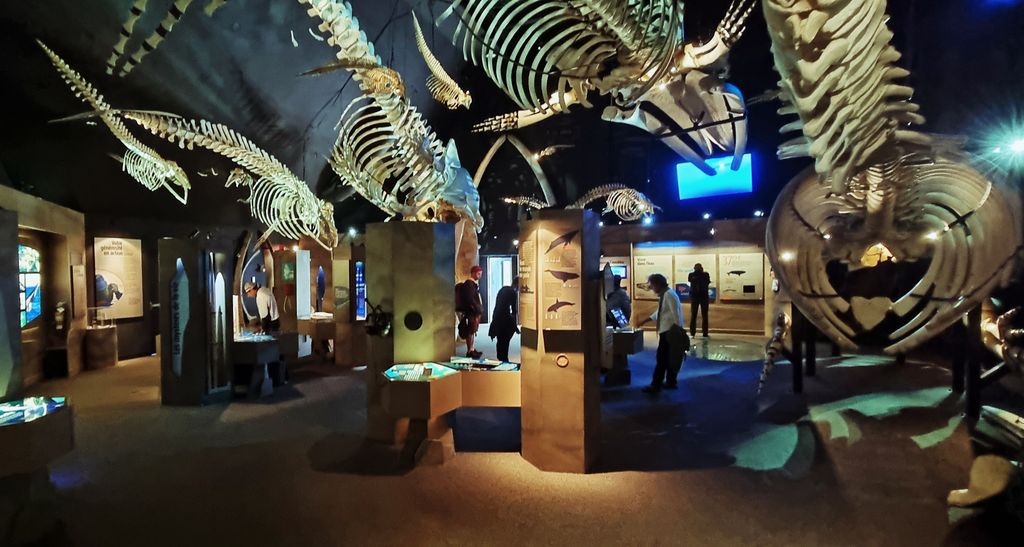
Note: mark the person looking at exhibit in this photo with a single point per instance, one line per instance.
(470, 308)
(504, 323)
(266, 307)
(700, 282)
(618, 299)
(672, 340)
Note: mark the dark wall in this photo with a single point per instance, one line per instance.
(136, 336)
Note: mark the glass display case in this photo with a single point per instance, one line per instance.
(253, 337)
(468, 363)
(99, 317)
(30, 409)
(418, 372)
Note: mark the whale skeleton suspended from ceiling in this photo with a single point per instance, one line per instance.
(385, 149)
(923, 236)
(548, 55)
(278, 198)
(141, 162)
(174, 14)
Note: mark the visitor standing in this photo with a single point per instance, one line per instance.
(266, 307)
(503, 320)
(672, 340)
(700, 282)
(470, 308)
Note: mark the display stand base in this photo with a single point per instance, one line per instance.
(28, 507)
(433, 439)
(618, 377)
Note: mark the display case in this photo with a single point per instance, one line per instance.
(422, 390)
(99, 316)
(33, 432)
(488, 383)
(30, 409)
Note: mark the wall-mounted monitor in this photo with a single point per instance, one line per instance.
(621, 271)
(694, 183)
(360, 291)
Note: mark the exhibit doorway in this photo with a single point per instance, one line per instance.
(499, 274)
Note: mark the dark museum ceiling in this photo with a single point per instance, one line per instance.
(240, 67)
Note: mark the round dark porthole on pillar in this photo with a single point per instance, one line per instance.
(413, 320)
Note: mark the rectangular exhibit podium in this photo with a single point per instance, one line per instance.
(196, 325)
(560, 307)
(410, 272)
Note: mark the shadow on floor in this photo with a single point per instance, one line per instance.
(355, 455)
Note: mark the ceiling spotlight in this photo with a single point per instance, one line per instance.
(787, 256)
(758, 213)
(295, 248)
(601, 224)
(352, 231)
(515, 242)
(712, 231)
(932, 236)
(1017, 146)
(827, 237)
(706, 216)
(648, 220)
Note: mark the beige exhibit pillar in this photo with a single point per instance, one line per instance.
(410, 267)
(349, 271)
(562, 327)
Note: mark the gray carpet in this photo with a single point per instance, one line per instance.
(866, 457)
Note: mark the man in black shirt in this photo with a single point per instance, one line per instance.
(470, 308)
(699, 283)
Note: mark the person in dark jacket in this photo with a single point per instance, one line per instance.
(470, 308)
(700, 282)
(504, 324)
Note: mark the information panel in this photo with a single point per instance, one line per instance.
(645, 266)
(558, 246)
(528, 282)
(118, 276)
(741, 276)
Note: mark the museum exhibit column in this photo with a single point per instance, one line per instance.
(560, 311)
(410, 267)
(321, 325)
(195, 323)
(10, 326)
(291, 289)
(349, 294)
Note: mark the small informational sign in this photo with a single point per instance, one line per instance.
(741, 276)
(644, 267)
(179, 317)
(528, 289)
(118, 276)
(78, 298)
(560, 251)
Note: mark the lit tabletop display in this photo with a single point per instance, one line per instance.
(30, 409)
(252, 337)
(418, 372)
(468, 363)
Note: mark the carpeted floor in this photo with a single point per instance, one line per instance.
(865, 457)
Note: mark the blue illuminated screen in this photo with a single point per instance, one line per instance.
(694, 183)
(620, 271)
